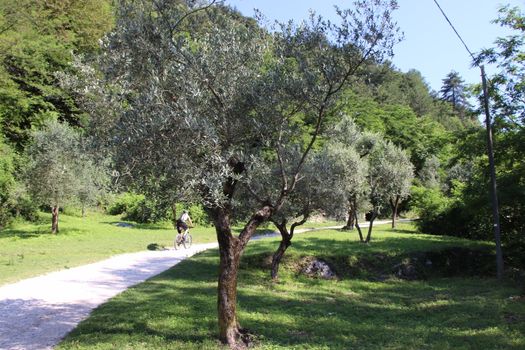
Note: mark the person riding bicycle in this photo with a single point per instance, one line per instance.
(182, 225)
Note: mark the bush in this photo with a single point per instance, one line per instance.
(124, 203)
(138, 208)
(25, 208)
(146, 211)
(198, 215)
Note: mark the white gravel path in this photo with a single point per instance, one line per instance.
(36, 313)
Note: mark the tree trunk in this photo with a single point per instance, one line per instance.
(350, 223)
(394, 204)
(356, 219)
(83, 210)
(230, 254)
(358, 227)
(54, 219)
(230, 250)
(369, 235)
(286, 241)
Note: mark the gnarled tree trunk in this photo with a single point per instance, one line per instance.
(54, 219)
(374, 216)
(278, 255)
(350, 223)
(230, 250)
(358, 227)
(286, 241)
(394, 204)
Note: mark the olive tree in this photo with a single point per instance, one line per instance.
(209, 95)
(402, 174)
(389, 175)
(59, 169)
(310, 195)
(345, 182)
(347, 149)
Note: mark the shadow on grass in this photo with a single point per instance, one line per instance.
(41, 230)
(177, 309)
(396, 230)
(141, 226)
(23, 234)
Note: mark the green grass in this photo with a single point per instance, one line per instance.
(177, 309)
(28, 249)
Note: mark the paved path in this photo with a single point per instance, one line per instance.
(36, 313)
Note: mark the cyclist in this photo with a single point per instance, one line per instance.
(182, 222)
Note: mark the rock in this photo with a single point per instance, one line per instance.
(320, 269)
(123, 224)
(407, 269)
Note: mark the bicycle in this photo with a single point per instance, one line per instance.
(184, 239)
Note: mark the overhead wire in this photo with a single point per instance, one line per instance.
(455, 31)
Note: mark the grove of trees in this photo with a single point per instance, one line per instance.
(173, 101)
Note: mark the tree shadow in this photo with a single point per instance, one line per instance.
(33, 324)
(23, 234)
(169, 310)
(40, 230)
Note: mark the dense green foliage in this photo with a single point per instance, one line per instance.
(37, 40)
(463, 209)
(7, 181)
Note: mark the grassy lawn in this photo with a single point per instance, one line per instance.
(177, 309)
(27, 250)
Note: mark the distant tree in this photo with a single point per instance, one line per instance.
(58, 170)
(93, 180)
(454, 91)
(345, 180)
(389, 172)
(402, 172)
(7, 181)
(345, 151)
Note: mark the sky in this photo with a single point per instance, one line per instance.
(429, 46)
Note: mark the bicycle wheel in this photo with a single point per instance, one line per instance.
(178, 241)
(187, 241)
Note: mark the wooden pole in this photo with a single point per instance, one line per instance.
(492, 167)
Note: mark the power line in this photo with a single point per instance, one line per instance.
(455, 31)
(490, 153)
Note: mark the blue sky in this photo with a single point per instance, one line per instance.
(430, 45)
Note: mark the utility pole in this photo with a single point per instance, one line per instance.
(490, 153)
(492, 168)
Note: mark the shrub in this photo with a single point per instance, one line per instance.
(146, 211)
(138, 208)
(124, 203)
(197, 213)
